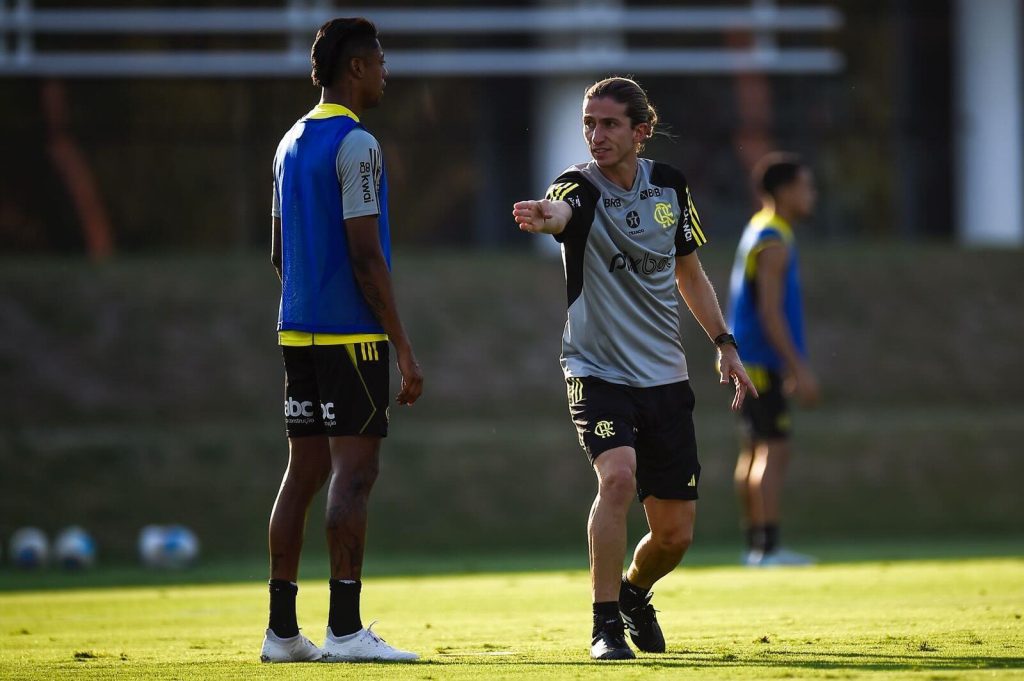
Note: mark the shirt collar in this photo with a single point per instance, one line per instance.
(327, 110)
(769, 217)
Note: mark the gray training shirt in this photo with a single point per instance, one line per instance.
(619, 251)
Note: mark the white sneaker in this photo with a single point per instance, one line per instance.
(297, 648)
(752, 558)
(362, 646)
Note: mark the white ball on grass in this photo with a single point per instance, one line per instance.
(29, 548)
(74, 549)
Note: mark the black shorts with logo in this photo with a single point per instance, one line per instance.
(336, 390)
(656, 422)
(767, 417)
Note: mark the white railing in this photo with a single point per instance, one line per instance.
(21, 23)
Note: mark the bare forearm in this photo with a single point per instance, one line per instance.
(375, 283)
(700, 297)
(779, 338)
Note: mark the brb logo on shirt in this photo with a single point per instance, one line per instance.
(646, 265)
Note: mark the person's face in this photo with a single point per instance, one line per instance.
(800, 195)
(608, 131)
(374, 75)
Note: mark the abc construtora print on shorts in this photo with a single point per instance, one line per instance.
(336, 390)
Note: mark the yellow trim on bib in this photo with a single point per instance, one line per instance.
(763, 219)
(325, 110)
(304, 338)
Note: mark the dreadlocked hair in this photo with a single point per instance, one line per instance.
(336, 42)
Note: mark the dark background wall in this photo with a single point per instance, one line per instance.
(184, 165)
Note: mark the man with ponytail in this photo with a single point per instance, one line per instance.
(629, 231)
(332, 251)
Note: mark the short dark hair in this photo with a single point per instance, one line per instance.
(336, 42)
(777, 169)
(627, 91)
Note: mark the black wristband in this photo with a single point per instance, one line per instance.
(726, 339)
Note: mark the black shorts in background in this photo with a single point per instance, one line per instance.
(767, 417)
(336, 390)
(656, 422)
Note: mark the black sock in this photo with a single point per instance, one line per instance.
(606, 614)
(631, 592)
(771, 537)
(757, 537)
(344, 616)
(753, 535)
(282, 608)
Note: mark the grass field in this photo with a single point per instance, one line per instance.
(922, 619)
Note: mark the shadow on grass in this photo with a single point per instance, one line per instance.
(769, 659)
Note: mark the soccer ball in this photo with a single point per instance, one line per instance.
(151, 539)
(74, 549)
(163, 547)
(181, 547)
(29, 548)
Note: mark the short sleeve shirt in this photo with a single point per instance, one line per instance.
(619, 251)
(359, 170)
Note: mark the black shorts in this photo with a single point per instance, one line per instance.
(656, 422)
(767, 417)
(336, 390)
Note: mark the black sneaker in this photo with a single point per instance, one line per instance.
(638, 614)
(610, 644)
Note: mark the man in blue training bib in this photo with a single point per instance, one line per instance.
(332, 251)
(766, 316)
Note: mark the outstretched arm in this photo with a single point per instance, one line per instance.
(700, 297)
(371, 272)
(542, 217)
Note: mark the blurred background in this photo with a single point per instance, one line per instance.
(138, 364)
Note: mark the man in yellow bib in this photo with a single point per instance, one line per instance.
(766, 315)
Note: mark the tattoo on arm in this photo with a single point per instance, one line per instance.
(374, 298)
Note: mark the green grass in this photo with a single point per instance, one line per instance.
(921, 619)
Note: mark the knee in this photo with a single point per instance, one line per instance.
(618, 485)
(359, 480)
(306, 482)
(675, 540)
(741, 478)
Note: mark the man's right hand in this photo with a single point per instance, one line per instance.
(531, 216)
(803, 384)
(412, 377)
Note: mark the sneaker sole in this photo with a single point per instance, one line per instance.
(339, 658)
(614, 656)
(266, 660)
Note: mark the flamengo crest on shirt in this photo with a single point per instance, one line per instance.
(664, 216)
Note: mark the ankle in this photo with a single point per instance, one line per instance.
(606, 616)
(343, 618)
(630, 591)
